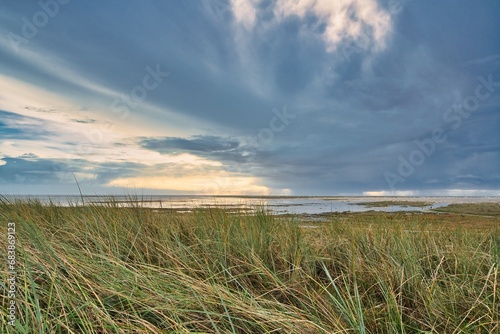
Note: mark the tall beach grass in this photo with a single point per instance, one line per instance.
(109, 269)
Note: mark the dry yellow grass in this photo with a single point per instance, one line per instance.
(105, 269)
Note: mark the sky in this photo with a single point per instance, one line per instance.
(250, 97)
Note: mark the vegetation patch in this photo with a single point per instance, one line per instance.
(105, 269)
(486, 209)
(380, 204)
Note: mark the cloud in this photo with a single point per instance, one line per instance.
(204, 144)
(32, 169)
(15, 126)
(195, 179)
(335, 22)
(28, 169)
(85, 121)
(204, 183)
(222, 150)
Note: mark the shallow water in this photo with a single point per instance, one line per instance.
(277, 205)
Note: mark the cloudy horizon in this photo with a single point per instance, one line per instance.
(250, 97)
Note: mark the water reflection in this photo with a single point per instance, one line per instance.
(276, 205)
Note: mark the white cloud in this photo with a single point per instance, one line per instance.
(73, 133)
(360, 21)
(245, 12)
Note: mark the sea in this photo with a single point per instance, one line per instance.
(273, 204)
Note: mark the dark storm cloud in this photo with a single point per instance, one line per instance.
(233, 153)
(204, 144)
(85, 121)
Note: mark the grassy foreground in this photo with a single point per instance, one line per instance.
(105, 269)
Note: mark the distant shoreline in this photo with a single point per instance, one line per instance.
(277, 205)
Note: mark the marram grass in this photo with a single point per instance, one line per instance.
(106, 269)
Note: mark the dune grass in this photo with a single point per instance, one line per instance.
(107, 269)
